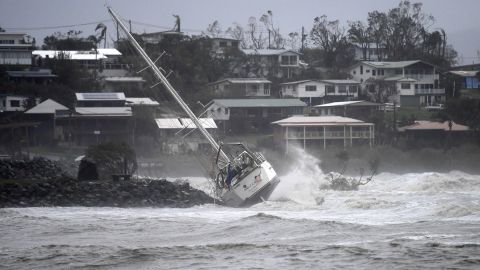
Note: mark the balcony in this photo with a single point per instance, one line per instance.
(423, 77)
(430, 91)
(328, 135)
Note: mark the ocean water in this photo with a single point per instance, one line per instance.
(408, 221)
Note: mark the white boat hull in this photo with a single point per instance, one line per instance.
(252, 188)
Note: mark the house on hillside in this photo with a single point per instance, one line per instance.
(241, 87)
(46, 113)
(315, 92)
(243, 115)
(322, 131)
(104, 61)
(13, 103)
(358, 109)
(220, 45)
(156, 37)
(172, 130)
(36, 76)
(15, 49)
(465, 82)
(410, 83)
(279, 63)
(370, 52)
(435, 134)
(100, 99)
(127, 84)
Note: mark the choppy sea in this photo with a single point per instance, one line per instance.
(398, 221)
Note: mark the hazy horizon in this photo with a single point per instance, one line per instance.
(43, 18)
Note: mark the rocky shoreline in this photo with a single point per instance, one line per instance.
(26, 184)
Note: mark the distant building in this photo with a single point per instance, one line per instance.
(410, 83)
(105, 61)
(241, 87)
(359, 109)
(322, 131)
(134, 84)
(15, 50)
(220, 45)
(13, 103)
(172, 142)
(100, 99)
(46, 113)
(274, 62)
(315, 92)
(435, 134)
(370, 52)
(37, 76)
(243, 115)
(465, 82)
(156, 37)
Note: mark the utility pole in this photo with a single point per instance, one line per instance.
(130, 25)
(269, 38)
(304, 37)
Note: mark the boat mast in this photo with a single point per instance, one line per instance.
(167, 85)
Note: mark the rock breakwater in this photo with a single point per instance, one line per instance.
(29, 184)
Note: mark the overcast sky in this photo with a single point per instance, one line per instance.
(459, 18)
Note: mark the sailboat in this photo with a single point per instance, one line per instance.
(241, 177)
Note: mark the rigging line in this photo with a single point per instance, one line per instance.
(55, 27)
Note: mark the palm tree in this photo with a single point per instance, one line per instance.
(103, 33)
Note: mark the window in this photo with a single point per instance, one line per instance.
(226, 110)
(235, 44)
(289, 60)
(367, 70)
(223, 44)
(330, 88)
(10, 41)
(342, 88)
(361, 70)
(15, 103)
(398, 71)
(352, 88)
(405, 86)
(374, 72)
(266, 89)
(354, 72)
(381, 72)
(310, 88)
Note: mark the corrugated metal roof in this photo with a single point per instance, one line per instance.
(242, 80)
(184, 123)
(124, 79)
(49, 106)
(264, 102)
(74, 55)
(104, 111)
(340, 81)
(298, 82)
(392, 64)
(109, 51)
(138, 101)
(429, 125)
(319, 121)
(267, 51)
(349, 103)
(465, 73)
(99, 96)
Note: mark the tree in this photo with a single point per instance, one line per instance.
(236, 31)
(213, 30)
(255, 37)
(293, 40)
(275, 39)
(331, 38)
(359, 33)
(103, 34)
(377, 23)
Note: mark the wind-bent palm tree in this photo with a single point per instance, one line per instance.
(103, 33)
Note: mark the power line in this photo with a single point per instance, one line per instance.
(54, 27)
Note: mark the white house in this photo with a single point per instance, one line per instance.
(12, 103)
(14, 50)
(106, 61)
(370, 52)
(412, 83)
(275, 62)
(320, 91)
(241, 87)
